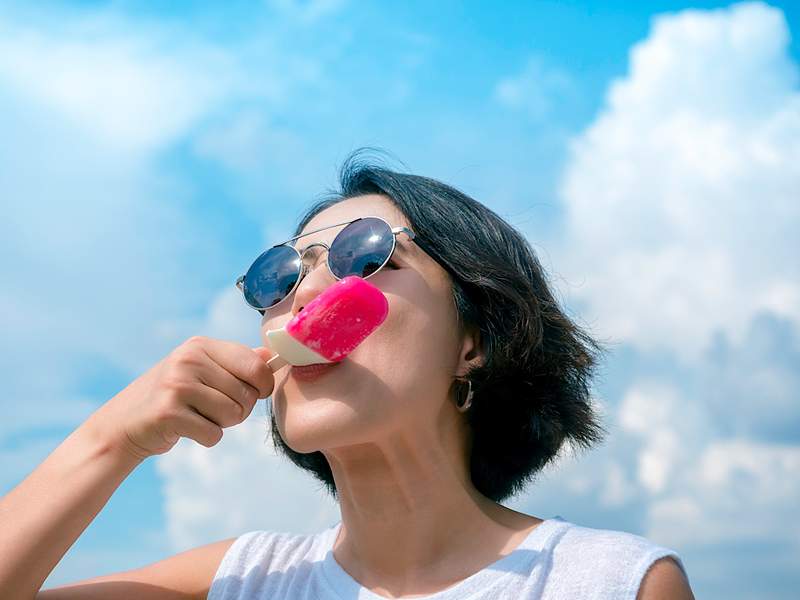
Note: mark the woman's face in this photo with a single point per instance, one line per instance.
(398, 378)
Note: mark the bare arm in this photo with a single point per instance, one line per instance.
(665, 581)
(185, 576)
(44, 515)
(201, 387)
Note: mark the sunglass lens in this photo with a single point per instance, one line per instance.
(361, 248)
(272, 276)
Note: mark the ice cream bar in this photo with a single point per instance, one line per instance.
(331, 325)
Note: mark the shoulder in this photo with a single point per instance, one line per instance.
(256, 560)
(604, 544)
(616, 542)
(186, 575)
(618, 561)
(665, 580)
(264, 548)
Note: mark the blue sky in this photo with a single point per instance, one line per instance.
(648, 151)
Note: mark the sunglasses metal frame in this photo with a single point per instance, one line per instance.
(304, 269)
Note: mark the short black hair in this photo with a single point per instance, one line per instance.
(532, 394)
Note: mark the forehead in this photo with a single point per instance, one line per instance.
(347, 210)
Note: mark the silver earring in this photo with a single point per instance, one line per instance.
(468, 402)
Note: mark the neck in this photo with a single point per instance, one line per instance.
(410, 514)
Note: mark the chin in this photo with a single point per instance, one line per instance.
(302, 446)
(333, 426)
(308, 425)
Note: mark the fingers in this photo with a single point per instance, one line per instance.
(214, 405)
(241, 392)
(264, 353)
(243, 363)
(196, 426)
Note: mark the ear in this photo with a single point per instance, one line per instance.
(472, 353)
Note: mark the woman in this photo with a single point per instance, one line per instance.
(472, 384)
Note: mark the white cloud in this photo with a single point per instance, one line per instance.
(133, 92)
(717, 451)
(239, 485)
(735, 491)
(95, 240)
(681, 198)
(696, 458)
(672, 430)
(101, 252)
(87, 103)
(681, 206)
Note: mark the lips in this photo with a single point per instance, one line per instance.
(311, 372)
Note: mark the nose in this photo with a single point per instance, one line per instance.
(316, 279)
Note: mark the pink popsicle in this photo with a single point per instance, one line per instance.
(340, 318)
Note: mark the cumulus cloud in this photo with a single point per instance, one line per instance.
(679, 241)
(736, 491)
(133, 92)
(85, 105)
(718, 455)
(699, 458)
(88, 103)
(649, 410)
(681, 198)
(239, 485)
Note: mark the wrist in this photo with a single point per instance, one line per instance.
(112, 441)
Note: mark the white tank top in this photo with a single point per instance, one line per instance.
(557, 561)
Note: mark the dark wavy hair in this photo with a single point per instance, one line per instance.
(531, 395)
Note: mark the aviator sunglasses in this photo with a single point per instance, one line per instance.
(362, 248)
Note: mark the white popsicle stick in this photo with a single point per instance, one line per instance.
(276, 362)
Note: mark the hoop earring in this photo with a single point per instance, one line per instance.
(464, 406)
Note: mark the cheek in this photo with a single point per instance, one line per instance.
(399, 376)
(410, 351)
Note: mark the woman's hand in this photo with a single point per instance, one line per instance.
(201, 387)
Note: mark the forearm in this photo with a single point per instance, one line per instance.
(46, 513)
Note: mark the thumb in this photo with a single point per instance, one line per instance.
(264, 353)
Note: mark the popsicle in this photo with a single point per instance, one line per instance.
(330, 326)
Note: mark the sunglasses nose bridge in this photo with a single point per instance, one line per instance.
(305, 266)
(307, 248)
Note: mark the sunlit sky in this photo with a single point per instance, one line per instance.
(648, 150)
